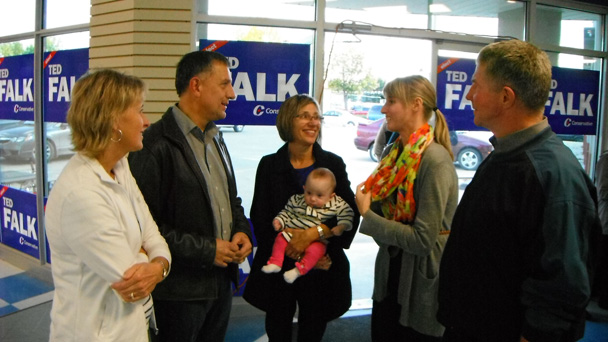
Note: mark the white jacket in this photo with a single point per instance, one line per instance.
(95, 227)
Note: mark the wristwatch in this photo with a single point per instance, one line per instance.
(165, 269)
(321, 234)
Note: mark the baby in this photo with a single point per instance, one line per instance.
(317, 204)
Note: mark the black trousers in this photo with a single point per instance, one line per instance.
(279, 324)
(194, 321)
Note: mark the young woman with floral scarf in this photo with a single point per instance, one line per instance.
(407, 205)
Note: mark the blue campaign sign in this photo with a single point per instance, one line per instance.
(17, 87)
(19, 221)
(263, 76)
(61, 70)
(572, 107)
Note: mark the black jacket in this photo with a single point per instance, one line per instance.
(328, 293)
(516, 262)
(176, 193)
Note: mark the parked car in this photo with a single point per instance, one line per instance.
(359, 110)
(470, 148)
(571, 137)
(341, 118)
(18, 142)
(6, 124)
(236, 128)
(375, 113)
(366, 135)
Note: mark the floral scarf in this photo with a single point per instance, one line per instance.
(397, 171)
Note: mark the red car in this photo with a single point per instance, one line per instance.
(470, 148)
(359, 110)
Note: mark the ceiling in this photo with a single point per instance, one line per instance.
(477, 8)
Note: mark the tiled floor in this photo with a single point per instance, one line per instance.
(25, 304)
(20, 289)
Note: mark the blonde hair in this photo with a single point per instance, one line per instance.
(288, 112)
(98, 99)
(407, 89)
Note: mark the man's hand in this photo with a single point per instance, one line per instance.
(241, 240)
(225, 252)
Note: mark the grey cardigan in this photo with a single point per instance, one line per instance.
(436, 196)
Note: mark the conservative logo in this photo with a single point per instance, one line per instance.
(18, 109)
(258, 110)
(569, 122)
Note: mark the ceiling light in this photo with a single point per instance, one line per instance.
(439, 8)
(391, 9)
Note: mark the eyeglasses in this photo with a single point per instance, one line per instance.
(308, 117)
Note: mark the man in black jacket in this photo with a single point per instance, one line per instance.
(515, 267)
(186, 176)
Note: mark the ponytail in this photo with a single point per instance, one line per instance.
(442, 132)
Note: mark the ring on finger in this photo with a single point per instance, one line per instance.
(132, 295)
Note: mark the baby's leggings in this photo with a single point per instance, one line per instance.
(312, 254)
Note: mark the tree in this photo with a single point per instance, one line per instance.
(16, 48)
(258, 34)
(349, 76)
(12, 49)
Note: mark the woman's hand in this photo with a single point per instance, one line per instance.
(139, 281)
(300, 240)
(324, 263)
(363, 199)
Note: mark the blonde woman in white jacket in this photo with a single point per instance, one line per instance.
(107, 254)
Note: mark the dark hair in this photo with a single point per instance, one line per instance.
(194, 63)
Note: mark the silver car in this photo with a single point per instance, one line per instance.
(18, 142)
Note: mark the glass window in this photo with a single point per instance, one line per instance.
(493, 18)
(412, 15)
(583, 146)
(17, 167)
(17, 48)
(68, 41)
(358, 70)
(276, 9)
(255, 33)
(487, 18)
(62, 68)
(569, 28)
(245, 156)
(57, 13)
(18, 17)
